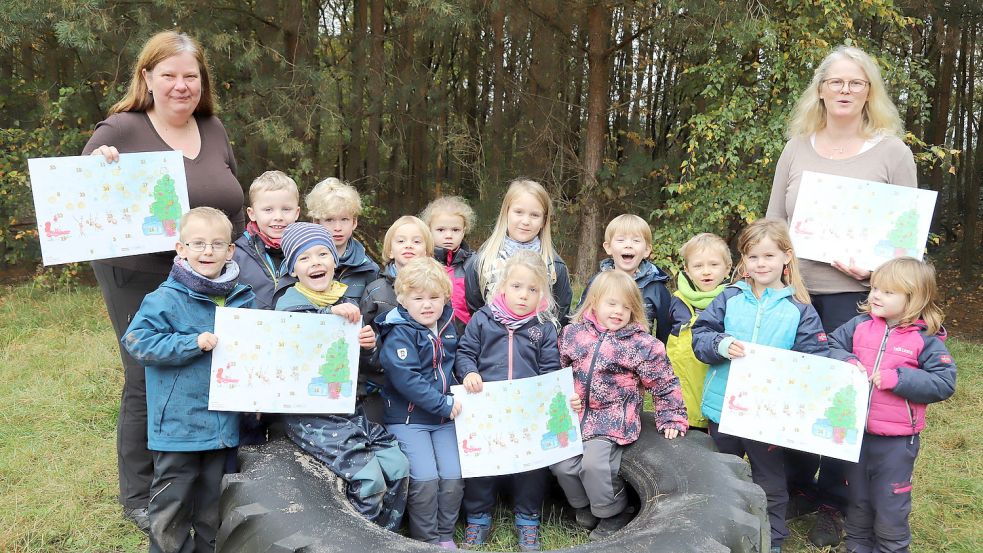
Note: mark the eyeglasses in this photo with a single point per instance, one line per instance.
(199, 246)
(856, 85)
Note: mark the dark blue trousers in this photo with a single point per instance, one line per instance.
(528, 490)
(767, 470)
(880, 495)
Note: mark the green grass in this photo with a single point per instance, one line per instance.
(60, 379)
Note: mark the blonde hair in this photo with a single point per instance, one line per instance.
(424, 274)
(620, 285)
(880, 116)
(387, 248)
(208, 216)
(628, 224)
(332, 197)
(706, 241)
(160, 47)
(777, 231)
(530, 261)
(489, 250)
(916, 280)
(272, 181)
(450, 205)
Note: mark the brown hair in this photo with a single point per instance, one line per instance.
(777, 231)
(160, 47)
(916, 280)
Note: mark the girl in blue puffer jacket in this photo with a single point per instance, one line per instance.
(768, 304)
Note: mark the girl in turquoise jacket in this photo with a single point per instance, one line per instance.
(768, 305)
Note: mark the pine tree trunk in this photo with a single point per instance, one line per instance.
(598, 36)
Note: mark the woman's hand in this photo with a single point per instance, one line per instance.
(473, 383)
(109, 152)
(851, 270)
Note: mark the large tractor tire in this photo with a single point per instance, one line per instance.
(692, 499)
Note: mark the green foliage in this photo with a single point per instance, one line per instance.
(335, 367)
(748, 81)
(55, 135)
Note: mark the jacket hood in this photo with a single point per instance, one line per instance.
(646, 274)
(355, 259)
(400, 316)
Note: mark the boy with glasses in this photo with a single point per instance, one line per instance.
(172, 336)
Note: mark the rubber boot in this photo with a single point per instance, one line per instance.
(421, 510)
(450, 494)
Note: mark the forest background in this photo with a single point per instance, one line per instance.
(673, 110)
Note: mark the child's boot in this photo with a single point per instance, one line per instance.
(420, 510)
(609, 525)
(527, 528)
(449, 495)
(585, 518)
(477, 530)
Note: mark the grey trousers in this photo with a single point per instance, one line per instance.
(592, 478)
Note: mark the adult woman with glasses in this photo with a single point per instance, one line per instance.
(843, 124)
(169, 105)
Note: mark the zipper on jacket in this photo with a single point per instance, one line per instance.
(511, 334)
(911, 420)
(590, 376)
(876, 369)
(757, 319)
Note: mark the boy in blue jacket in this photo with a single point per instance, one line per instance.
(336, 205)
(172, 336)
(628, 240)
(418, 346)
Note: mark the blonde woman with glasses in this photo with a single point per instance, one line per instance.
(845, 124)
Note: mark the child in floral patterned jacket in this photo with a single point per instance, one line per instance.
(613, 358)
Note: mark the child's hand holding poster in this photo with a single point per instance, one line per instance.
(282, 362)
(517, 425)
(843, 219)
(796, 400)
(88, 209)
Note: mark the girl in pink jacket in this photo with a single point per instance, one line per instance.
(899, 343)
(614, 360)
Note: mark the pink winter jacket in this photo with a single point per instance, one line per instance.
(916, 369)
(611, 371)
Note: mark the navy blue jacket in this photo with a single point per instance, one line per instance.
(261, 269)
(562, 293)
(163, 337)
(651, 281)
(497, 353)
(419, 368)
(356, 270)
